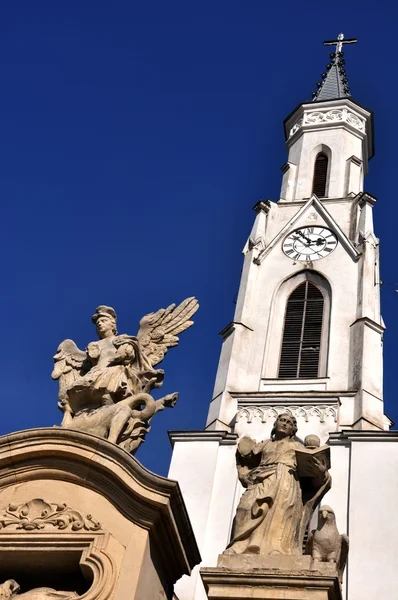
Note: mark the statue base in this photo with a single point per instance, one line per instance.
(244, 576)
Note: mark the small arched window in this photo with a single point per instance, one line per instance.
(302, 332)
(320, 175)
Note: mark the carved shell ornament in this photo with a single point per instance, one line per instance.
(38, 514)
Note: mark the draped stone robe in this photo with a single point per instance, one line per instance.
(274, 511)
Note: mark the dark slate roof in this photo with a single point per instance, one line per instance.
(334, 83)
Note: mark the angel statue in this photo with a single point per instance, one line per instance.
(106, 389)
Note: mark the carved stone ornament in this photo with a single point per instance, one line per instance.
(105, 390)
(38, 514)
(328, 116)
(248, 413)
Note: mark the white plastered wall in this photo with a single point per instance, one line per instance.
(206, 472)
(339, 144)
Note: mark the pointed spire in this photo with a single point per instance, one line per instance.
(334, 82)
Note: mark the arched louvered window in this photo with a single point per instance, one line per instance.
(301, 343)
(320, 175)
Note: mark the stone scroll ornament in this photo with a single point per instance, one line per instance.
(285, 481)
(38, 514)
(105, 390)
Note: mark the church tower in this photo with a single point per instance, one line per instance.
(307, 326)
(307, 332)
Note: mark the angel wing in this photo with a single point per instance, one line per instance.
(68, 363)
(158, 331)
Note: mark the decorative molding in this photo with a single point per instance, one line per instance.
(298, 124)
(292, 397)
(257, 244)
(354, 159)
(271, 412)
(347, 436)
(230, 328)
(336, 115)
(95, 557)
(38, 514)
(152, 502)
(224, 438)
(377, 327)
(365, 198)
(262, 205)
(320, 116)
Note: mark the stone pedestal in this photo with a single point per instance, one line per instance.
(271, 578)
(79, 514)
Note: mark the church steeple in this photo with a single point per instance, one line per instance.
(334, 84)
(307, 334)
(334, 128)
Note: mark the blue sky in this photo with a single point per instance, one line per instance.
(135, 137)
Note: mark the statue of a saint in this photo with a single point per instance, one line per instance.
(106, 389)
(274, 511)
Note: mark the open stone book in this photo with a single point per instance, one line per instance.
(305, 466)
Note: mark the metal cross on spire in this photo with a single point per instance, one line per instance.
(339, 42)
(334, 82)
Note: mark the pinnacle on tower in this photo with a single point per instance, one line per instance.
(334, 82)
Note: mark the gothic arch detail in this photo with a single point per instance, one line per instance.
(322, 158)
(320, 175)
(266, 413)
(302, 331)
(280, 345)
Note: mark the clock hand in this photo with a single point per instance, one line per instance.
(305, 237)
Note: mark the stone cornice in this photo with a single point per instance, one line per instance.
(370, 323)
(342, 112)
(222, 437)
(298, 397)
(228, 329)
(255, 583)
(151, 501)
(355, 435)
(263, 205)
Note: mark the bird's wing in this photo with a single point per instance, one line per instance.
(68, 362)
(345, 543)
(158, 331)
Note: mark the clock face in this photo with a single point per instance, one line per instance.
(309, 243)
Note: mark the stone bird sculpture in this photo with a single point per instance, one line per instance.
(325, 544)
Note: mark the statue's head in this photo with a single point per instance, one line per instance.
(326, 514)
(104, 319)
(285, 426)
